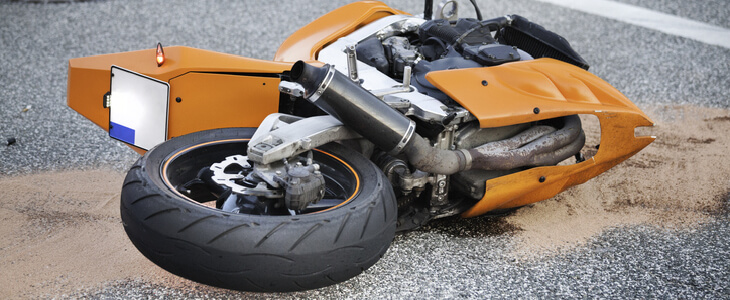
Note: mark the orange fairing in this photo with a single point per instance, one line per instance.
(209, 101)
(214, 88)
(540, 89)
(306, 42)
(510, 93)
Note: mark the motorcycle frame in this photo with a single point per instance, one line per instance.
(210, 90)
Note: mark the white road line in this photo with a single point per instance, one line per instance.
(670, 24)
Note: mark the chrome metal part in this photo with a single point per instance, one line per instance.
(413, 182)
(407, 137)
(440, 182)
(392, 167)
(399, 27)
(323, 86)
(448, 9)
(407, 77)
(393, 90)
(352, 63)
(421, 106)
(400, 176)
(233, 180)
(281, 136)
(405, 87)
(509, 19)
(440, 191)
(427, 109)
(291, 88)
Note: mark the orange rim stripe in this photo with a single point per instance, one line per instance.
(169, 185)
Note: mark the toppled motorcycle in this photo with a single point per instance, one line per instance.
(296, 173)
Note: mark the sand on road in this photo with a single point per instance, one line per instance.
(60, 232)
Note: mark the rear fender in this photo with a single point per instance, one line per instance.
(528, 91)
(207, 89)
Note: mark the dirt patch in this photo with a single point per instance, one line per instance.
(677, 182)
(61, 231)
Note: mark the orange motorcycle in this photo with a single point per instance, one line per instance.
(296, 173)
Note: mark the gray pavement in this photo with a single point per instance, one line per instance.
(715, 12)
(450, 258)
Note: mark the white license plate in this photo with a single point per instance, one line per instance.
(138, 108)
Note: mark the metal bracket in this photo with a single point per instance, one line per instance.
(452, 14)
(107, 102)
(352, 63)
(282, 136)
(405, 87)
(291, 88)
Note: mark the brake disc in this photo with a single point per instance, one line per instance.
(234, 171)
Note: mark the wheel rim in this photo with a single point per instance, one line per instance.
(341, 181)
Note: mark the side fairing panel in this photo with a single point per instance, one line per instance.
(540, 89)
(209, 101)
(617, 144)
(527, 91)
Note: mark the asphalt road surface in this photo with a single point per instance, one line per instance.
(451, 258)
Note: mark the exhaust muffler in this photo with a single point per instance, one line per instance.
(354, 106)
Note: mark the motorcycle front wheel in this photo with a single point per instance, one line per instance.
(181, 232)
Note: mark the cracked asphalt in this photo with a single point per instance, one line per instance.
(450, 258)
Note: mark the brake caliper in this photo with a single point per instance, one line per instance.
(304, 185)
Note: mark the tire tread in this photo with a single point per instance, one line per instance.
(160, 212)
(198, 243)
(305, 235)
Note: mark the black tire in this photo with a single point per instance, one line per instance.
(254, 252)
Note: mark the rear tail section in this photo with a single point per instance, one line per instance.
(207, 89)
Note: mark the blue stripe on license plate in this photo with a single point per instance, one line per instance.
(120, 132)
